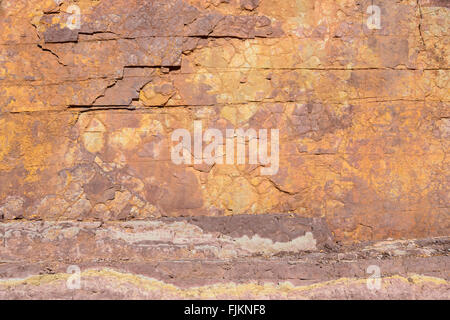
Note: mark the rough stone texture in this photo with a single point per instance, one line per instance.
(86, 176)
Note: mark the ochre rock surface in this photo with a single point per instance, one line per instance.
(87, 179)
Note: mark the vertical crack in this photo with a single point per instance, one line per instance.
(420, 23)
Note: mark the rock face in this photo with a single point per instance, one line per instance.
(92, 92)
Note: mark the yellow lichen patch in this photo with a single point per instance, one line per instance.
(5, 127)
(240, 114)
(126, 138)
(94, 136)
(227, 189)
(32, 139)
(157, 93)
(150, 125)
(93, 141)
(226, 54)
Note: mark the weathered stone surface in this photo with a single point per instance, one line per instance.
(87, 114)
(169, 259)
